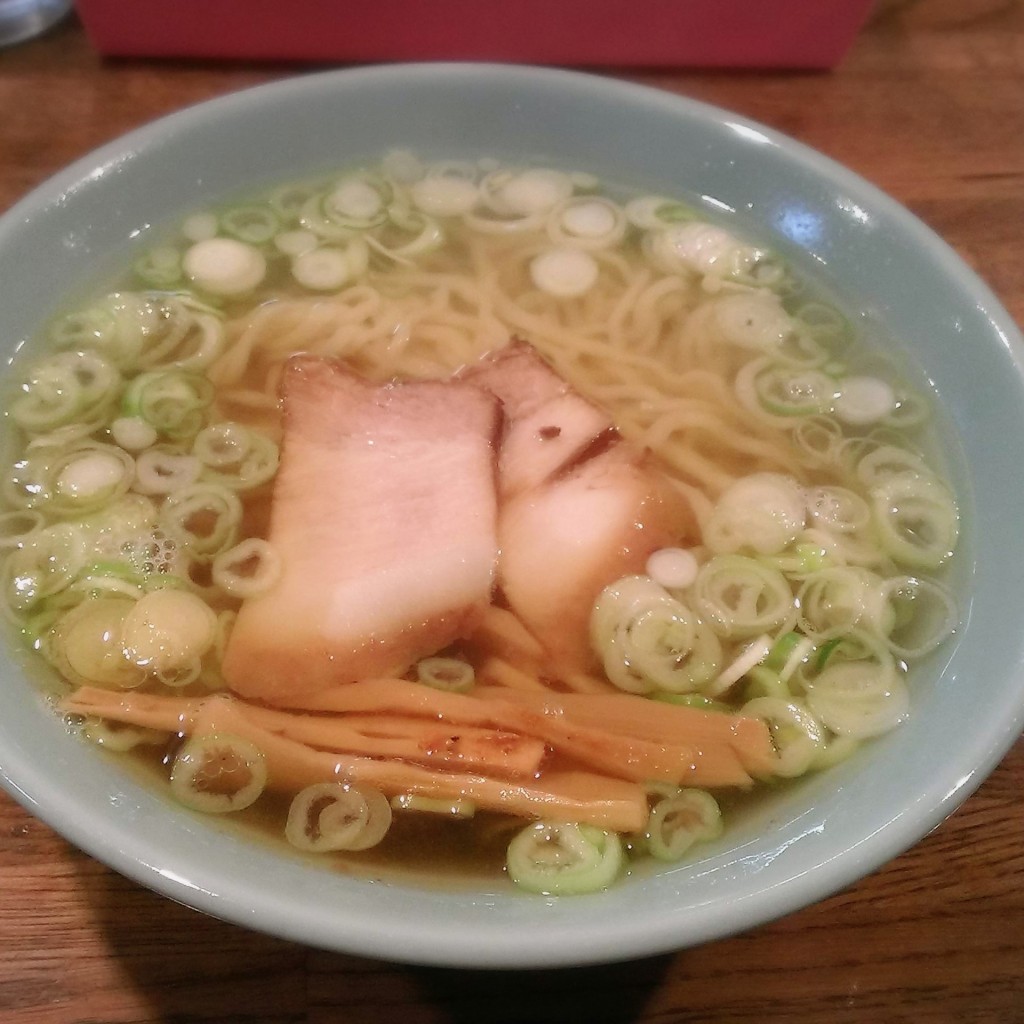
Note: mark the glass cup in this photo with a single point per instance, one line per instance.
(22, 19)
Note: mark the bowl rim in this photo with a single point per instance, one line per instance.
(491, 942)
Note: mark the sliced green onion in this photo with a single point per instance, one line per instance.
(818, 439)
(133, 318)
(861, 401)
(250, 568)
(199, 226)
(93, 572)
(752, 320)
(838, 508)
(836, 599)
(864, 645)
(794, 391)
(649, 213)
(825, 323)
(813, 552)
(762, 681)
(167, 631)
(488, 223)
(97, 582)
(86, 645)
(224, 266)
(799, 653)
(406, 235)
(825, 651)
(742, 597)
(89, 329)
(159, 267)
(289, 201)
(703, 248)
(797, 734)
(781, 649)
(353, 205)
(174, 332)
(564, 273)
(672, 568)
(82, 480)
(133, 433)
(803, 349)
(445, 195)
(622, 601)
(218, 774)
(679, 821)
(324, 269)
(668, 648)
(359, 200)
(588, 218)
(173, 402)
(221, 445)
(752, 655)
(449, 674)
(235, 456)
(859, 699)
(588, 222)
(66, 387)
(295, 243)
(522, 193)
(92, 477)
(648, 640)
(159, 471)
(763, 513)
(317, 218)
(916, 521)
(203, 519)
(925, 614)
(331, 816)
(256, 225)
(559, 859)
(887, 461)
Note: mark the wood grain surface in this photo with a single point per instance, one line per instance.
(930, 107)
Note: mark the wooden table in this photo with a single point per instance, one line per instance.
(929, 106)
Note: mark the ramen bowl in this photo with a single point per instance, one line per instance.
(66, 240)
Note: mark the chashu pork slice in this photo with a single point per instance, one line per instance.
(548, 425)
(564, 542)
(384, 518)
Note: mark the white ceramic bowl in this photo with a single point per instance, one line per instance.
(806, 843)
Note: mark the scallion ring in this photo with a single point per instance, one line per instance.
(332, 816)
(218, 774)
(564, 859)
(679, 821)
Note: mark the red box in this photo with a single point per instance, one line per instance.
(622, 33)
